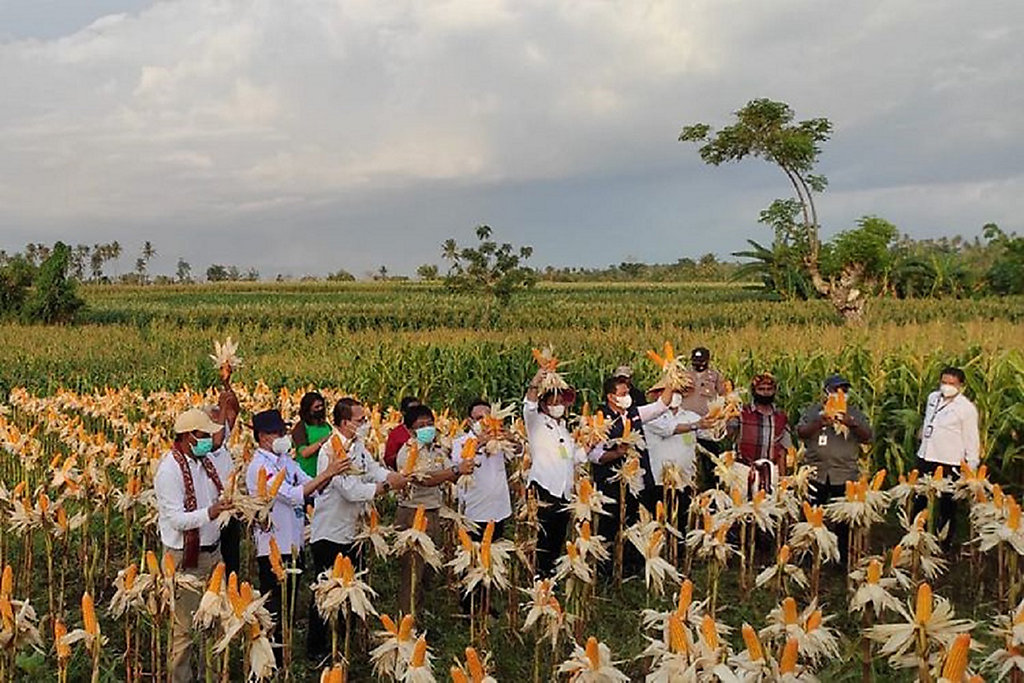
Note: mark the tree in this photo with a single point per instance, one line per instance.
(15, 277)
(217, 273)
(54, 298)
(488, 268)
(427, 271)
(79, 257)
(765, 129)
(1006, 274)
(341, 275)
(184, 271)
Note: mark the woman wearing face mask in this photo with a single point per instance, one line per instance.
(432, 470)
(554, 454)
(607, 457)
(288, 514)
(949, 437)
(311, 431)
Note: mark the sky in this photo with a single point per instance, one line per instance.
(304, 136)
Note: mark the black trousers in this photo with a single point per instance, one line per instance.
(318, 635)
(230, 544)
(275, 589)
(707, 467)
(946, 514)
(554, 525)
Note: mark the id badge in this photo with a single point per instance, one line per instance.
(822, 439)
(928, 431)
(563, 452)
(299, 513)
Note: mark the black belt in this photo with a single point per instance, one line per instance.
(209, 548)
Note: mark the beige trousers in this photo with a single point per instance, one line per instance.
(185, 605)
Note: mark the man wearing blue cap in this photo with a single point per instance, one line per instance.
(833, 441)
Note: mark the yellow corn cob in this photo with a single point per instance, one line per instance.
(62, 518)
(874, 571)
(485, 546)
(676, 634)
(419, 520)
(168, 565)
(261, 482)
(476, 668)
(44, 503)
(465, 540)
(912, 477)
(709, 631)
(897, 555)
(374, 518)
(275, 484)
(389, 624)
(7, 582)
(344, 569)
(92, 627)
(784, 553)
(878, 480)
(753, 644)
(593, 654)
(787, 665)
(813, 621)
(245, 592)
(654, 542)
(130, 572)
(152, 564)
(419, 653)
(997, 495)
(332, 675)
(923, 607)
(411, 458)
(6, 614)
(685, 598)
(405, 629)
(59, 631)
(458, 675)
(789, 614)
(937, 475)
(276, 562)
(1013, 519)
(586, 490)
(216, 581)
(571, 551)
(468, 449)
(955, 665)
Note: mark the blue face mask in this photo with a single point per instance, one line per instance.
(203, 447)
(425, 435)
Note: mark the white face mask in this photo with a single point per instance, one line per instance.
(282, 445)
(624, 402)
(362, 431)
(948, 390)
(556, 411)
(677, 400)
(477, 427)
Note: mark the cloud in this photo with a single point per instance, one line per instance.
(228, 119)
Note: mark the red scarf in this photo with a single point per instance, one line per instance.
(190, 559)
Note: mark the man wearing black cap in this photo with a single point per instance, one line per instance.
(708, 385)
(833, 432)
(288, 514)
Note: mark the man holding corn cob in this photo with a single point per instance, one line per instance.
(833, 432)
(288, 514)
(188, 490)
(338, 507)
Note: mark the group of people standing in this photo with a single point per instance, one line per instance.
(328, 468)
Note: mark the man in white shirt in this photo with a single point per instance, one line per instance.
(288, 515)
(339, 505)
(188, 491)
(672, 440)
(949, 437)
(554, 455)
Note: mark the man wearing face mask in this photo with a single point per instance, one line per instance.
(607, 457)
(554, 455)
(432, 471)
(949, 437)
(288, 514)
(624, 373)
(672, 440)
(762, 431)
(833, 446)
(188, 490)
(708, 385)
(338, 507)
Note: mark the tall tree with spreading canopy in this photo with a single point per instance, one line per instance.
(765, 129)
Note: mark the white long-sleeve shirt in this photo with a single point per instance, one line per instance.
(337, 507)
(487, 498)
(288, 515)
(170, 496)
(666, 446)
(646, 413)
(553, 452)
(950, 431)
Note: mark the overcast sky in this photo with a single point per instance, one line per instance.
(308, 135)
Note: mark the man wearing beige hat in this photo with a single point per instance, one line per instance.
(188, 490)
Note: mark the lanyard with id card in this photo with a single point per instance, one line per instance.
(929, 428)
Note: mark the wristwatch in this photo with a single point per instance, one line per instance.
(387, 486)
(455, 470)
